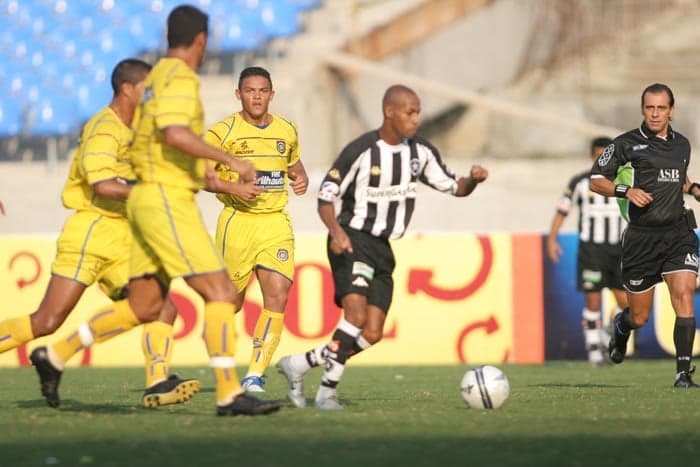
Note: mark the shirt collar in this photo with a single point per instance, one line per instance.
(648, 134)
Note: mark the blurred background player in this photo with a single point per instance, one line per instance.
(599, 251)
(94, 244)
(170, 237)
(660, 241)
(374, 178)
(256, 235)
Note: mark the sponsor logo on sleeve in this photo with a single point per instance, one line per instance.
(606, 155)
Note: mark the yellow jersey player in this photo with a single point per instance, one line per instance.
(95, 242)
(256, 235)
(170, 238)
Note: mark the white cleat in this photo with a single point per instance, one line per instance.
(253, 384)
(328, 403)
(296, 383)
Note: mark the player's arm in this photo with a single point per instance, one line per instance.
(554, 250)
(340, 242)
(299, 178)
(187, 141)
(604, 171)
(215, 184)
(114, 188)
(2, 209)
(692, 188)
(98, 162)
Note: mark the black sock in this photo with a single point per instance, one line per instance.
(623, 322)
(338, 350)
(683, 337)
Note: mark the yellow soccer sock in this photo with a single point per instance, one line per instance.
(108, 322)
(266, 338)
(15, 332)
(220, 339)
(157, 343)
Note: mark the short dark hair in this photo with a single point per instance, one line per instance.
(657, 88)
(129, 70)
(184, 23)
(254, 71)
(600, 142)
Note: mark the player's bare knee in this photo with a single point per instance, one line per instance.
(373, 335)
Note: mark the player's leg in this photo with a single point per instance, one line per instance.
(681, 287)
(157, 342)
(632, 317)
(591, 272)
(592, 325)
(219, 335)
(61, 296)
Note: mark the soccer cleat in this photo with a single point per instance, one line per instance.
(49, 376)
(253, 384)
(684, 380)
(243, 404)
(595, 356)
(617, 347)
(173, 390)
(328, 403)
(296, 382)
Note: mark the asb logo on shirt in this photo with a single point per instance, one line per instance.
(691, 259)
(669, 175)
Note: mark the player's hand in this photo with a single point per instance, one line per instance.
(247, 191)
(639, 197)
(340, 242)
(478, 173)
(2, 209)
(299, 184)
(554, 250)
(245, 168)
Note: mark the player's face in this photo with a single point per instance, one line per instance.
(657, 111)
(406, 116)
(255, 95)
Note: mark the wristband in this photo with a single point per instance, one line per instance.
(692, 185)
(621, 190)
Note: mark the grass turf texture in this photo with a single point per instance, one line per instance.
(559, 414)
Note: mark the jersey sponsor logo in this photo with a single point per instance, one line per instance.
(691, 259)
(395, 191)
(375, 170)
(282, 254)
(639, 147)
(636, 282)
(606, 155)
(281, 146)
(270, 179)
(362, 269)
(360, 282)
(415, 167)
(328, 192)
(243, 149)
(669, 175)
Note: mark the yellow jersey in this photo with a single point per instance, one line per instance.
(271, 150)
(101, 155)
(171, 98)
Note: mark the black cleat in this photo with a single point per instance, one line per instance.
(684, 380)
(49, 376)
(245, 404)
(617, 347)
(173, 390)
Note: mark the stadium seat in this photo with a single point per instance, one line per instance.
(279, 18)
(10, 117)
(53, 116)
(303, 5)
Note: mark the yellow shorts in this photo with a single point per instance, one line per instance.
(93, 247)
(248, 241)
(170, 238)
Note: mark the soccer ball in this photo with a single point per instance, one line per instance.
(485, 387)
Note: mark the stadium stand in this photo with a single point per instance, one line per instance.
(58, 54)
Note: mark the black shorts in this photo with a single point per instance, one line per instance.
(366, 271)
(649, 253)
(599, 267)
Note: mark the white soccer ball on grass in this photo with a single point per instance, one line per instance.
(485, 387)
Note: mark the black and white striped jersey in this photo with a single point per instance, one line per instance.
(599, 219)
(374, 183)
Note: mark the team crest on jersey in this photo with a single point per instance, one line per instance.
(147, 94)
(334, 174)
(282, 254)
(606, 156)
(281, 147)
(415, 167)
(375, 170)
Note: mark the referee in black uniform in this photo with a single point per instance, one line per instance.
(600, 226)
(374, 180)
(659, 242)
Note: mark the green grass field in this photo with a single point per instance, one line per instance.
(559, 414)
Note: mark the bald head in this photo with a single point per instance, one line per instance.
(396, 94)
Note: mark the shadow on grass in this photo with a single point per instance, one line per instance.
(579, 386)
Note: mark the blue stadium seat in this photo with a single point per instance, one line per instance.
(303, 5)
(239, 32)
(53, 116)
(10, 117)
(279, 18)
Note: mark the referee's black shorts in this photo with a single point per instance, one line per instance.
(650, 252)
(366, 271)
(599, 266)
